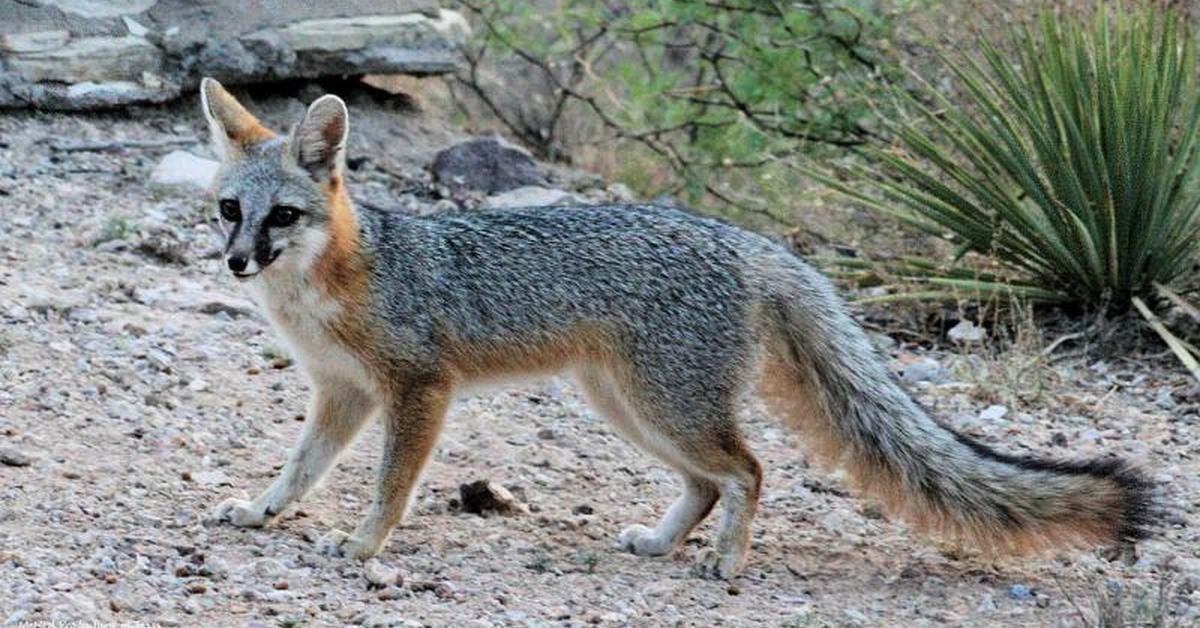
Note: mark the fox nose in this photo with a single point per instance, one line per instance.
(237, 263)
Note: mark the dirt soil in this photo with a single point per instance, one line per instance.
(139, 387)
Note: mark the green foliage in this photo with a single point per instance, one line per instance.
(1068, 174)
(708, 88)
(115, 228)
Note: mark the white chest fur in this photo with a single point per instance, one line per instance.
(303, 315)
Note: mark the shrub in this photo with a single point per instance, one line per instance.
(714, 92)
(1068, 172)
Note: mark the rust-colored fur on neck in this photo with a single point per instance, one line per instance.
(341, 267)
(342, 271)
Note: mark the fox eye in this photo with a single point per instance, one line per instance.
(230, 209)
(283, 216)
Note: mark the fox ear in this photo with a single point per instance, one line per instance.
(319, 141)
(232, 127)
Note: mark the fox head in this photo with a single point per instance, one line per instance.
(276, 195)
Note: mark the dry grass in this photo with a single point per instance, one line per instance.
(1112, 604)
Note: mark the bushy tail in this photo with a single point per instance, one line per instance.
(824, 376)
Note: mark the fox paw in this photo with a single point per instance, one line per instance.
(238, 512)
(339, 544)
(712, 565)
(640, 540)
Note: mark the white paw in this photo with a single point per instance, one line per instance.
(239, 512)
(711, 565)
(640, 540)
(338, 544)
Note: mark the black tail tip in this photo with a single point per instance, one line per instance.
(1141, 508)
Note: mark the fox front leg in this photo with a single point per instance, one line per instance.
(336, 413)
(411, 425)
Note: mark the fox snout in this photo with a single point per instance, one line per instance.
(243, 265)
(237, 263)
(248, 254)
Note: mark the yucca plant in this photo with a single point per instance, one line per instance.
(1067, 169)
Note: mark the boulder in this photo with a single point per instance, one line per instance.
(86, 54)
(14, 458)
(485, 164)
(194, 297)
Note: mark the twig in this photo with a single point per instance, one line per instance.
(87, 171)
(1174, 297)
(1177, 346)
(1058, 341)
(1070, 598)
(80, 147)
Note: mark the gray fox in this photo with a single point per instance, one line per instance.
(663, 317)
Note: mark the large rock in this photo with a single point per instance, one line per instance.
(84, 54)
(485, 164)
(184, 170)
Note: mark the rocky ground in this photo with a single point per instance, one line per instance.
(140, 387)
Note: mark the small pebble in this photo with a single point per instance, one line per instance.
(993, 413)
(1020, 592)
(378, 575)
(13, 458)
(391, 593)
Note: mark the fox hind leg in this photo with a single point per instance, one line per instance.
(740, 487)
(701, 442)
(699, 494)
(698, 498)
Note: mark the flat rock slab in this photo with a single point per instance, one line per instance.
(88, 54)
